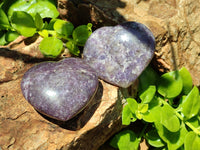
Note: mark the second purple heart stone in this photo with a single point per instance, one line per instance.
(119, 54)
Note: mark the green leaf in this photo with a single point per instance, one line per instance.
(191, 104)
(73, 48)
(44, 33)
(125, 140)
(195, 122)
(2, 38)
(51, 47)
(143, 108)
(192, 141)
(170, 84)
(4, 23)
(174, 140)
(45, 8)
(154, 139)
(147, 78)
(63, 27)
(147, 95)
(82, 33)
(23, 23)
(11, 36)
(169, 119)
(17, 5)
(127, 116)
(49, 26)
(133, 105)
(187, 80)
(153, 114)
(38, 21)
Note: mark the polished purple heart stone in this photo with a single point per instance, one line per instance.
(119, 54)
(61, 89)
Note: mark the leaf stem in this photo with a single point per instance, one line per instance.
(142, 132)
(192, 127)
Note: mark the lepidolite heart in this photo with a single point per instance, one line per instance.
(60, 89)
(119, 54)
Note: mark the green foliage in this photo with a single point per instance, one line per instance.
(192, 141)
(11, 36)
(154, 139)
(190, 104)
(4, 22)
(82, 33)
(170, 84)
(2, 38)
(45, 8)
(27, 18)
(125, 140)
(169, 108)
(23, 23)
(51, 47)
(38, 21)
(187, 80)
(63, 27)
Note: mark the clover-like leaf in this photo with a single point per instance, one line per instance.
(23, 23)
(11, 36)
(187, 80)
(82, 33)
(4, 22)
(147, 95)
(45, 8)
(2, 38)
(147, 78)
(50, 25)
(17, 5)
(174, 140)
(38, 21)
(169, 119)
(44, 33)
(170, 84)
(195, 122)
(133, 105)
(143, 108)
(51, 47)
(153, 114)
(127, 116)
(191, 104)
(63, 27)
(192, 141)
(154, 139)
(125, 140)
(73, 48)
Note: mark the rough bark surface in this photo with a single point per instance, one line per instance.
(174, 23)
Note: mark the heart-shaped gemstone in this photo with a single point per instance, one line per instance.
(61, 89)
(119, 54)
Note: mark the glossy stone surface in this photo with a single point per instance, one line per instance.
(119, 54)
(60, 89)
